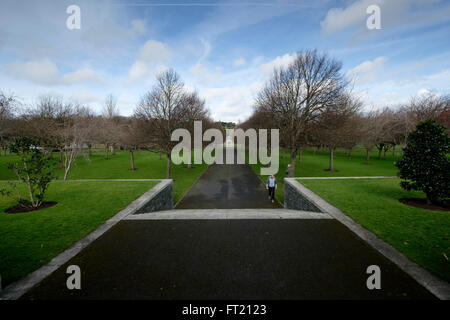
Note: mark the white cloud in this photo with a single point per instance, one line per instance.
(203, 75)
(138, 70)
(151, 54)
(239, 62)
(41, 71)
(411, 13)
(154, 51)
(267, 68)
(338, 19)
(82, 75)
(84, 97)
(392, 92)
(231, 103)
(368, 70)
(46, 72)
(160, 69)
(207, 49)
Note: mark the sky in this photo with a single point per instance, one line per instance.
(226, 50)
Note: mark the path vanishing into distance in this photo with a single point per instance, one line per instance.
(207, 248)
(227, 186)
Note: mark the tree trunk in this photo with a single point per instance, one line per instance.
(379, 153)
(367, 156)
(113, 150)
(331, 159)
(168, 166)
(300, 158)
(90, 151)
(132, 160)
(106, 152)
(69, 165)
(66, 173)
(291, 171)
(61, 161)
(30, 188)
(160, 156)
(393, 151)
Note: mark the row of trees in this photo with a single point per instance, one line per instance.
(311, 103)
(72, 129)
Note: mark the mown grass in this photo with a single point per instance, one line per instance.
(314, 164)
(422, 235)
(149, 165)
(31, 239)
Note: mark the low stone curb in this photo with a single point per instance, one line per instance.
(20, 287)
(440, 288)
(222, 214)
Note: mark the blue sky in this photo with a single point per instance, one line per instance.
(225, 50)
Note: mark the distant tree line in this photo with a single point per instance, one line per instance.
(312, 104)
(72, 129)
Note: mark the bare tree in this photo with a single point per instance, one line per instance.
(132, 138)
(162, 111)
(47, 121)
(332, 125)
(194, 110)
(372, 125)
(111, 118)
(8, 105)
(298, 94)
(423, 107)
(76, 135)
(110, 109)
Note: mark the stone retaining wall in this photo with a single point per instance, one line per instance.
(296, 198)
(160, 197)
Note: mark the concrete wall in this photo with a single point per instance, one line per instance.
(160, 197)
(295, 197)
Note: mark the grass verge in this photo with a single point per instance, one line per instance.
(31, 239)
(314, 163)
(422, 235)
(149, 164)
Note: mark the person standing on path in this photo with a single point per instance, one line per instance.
(271, 185)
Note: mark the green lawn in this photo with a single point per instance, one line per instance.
(118, 167)
(314, 164)
(29, 240)
(422, 235)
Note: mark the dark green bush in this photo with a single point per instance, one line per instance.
(425, 165)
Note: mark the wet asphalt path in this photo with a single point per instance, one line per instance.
(229, 259)
(227, 186)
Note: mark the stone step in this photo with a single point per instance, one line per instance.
(228, 214)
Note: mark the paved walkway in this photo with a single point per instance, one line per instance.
(205, 249)
(227, 186)
(229, 259)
